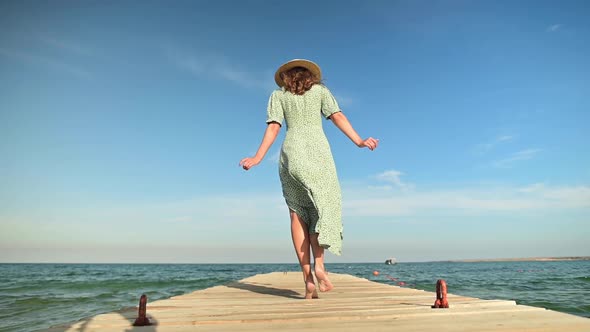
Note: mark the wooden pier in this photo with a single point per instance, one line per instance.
(273, 302)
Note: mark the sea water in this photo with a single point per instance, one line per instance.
(38, 296)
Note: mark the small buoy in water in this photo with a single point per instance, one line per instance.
(375, 273)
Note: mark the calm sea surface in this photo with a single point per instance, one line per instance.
(37, 296)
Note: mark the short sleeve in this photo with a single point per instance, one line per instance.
(329, 103)
(274, 112)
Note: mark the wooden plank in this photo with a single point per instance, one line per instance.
(273, 301)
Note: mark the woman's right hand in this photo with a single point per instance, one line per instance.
(249, 162)
(370, 143)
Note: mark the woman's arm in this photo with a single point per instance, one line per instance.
(270, 134)
(340, 120)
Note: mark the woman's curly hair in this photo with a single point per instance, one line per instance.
(298, 80)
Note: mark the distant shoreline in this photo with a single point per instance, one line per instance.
(472, 260)
(526, 259)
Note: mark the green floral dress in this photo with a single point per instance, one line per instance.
(306, 168)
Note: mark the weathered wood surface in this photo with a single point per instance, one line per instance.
(273, 302)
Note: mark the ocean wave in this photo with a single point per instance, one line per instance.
(43, 295)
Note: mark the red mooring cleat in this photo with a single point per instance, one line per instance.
(441, 295)
(142, 319)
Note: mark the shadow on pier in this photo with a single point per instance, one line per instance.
(260, 289)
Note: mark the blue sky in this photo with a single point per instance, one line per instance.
(123, 123)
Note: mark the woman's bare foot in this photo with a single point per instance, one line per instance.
(323, 281)
(310, 291)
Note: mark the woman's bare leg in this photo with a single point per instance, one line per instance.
(300, 236)
(318, 264)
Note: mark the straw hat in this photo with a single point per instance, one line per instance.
(309, 65)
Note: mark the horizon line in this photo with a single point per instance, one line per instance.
(467, 260)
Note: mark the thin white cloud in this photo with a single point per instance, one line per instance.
(554, 27)
(486, 147)
(384, 188)
(45, 61)
(67, 46)
(220, 67)
(210, 213)
(516, 157)
(262, 210)
(574, 196)
(464, 201)
(392, 176)
(191, 65)
(239, 217)
(344, 101)
(536, 187)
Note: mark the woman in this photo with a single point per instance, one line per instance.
(306, 168)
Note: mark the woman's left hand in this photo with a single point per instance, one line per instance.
(249, 162)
